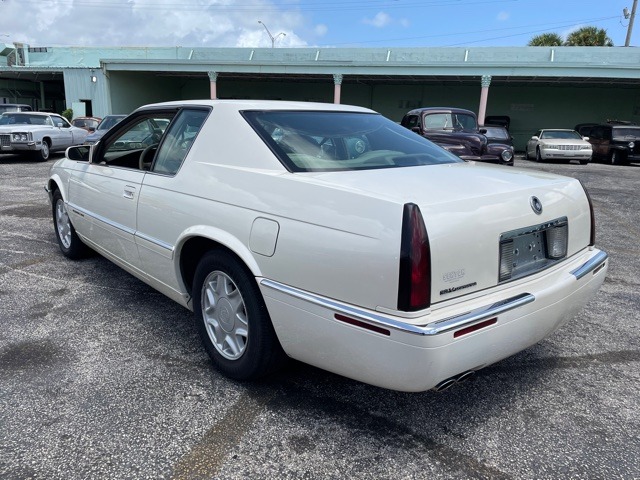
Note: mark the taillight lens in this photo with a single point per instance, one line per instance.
(592, 237)
(414, 290)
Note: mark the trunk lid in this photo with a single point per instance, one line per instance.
(467, 207)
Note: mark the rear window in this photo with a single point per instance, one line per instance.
(493, 132)
(310, 141)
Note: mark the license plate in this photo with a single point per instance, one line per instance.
(526, 250)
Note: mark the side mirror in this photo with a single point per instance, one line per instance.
(535, 137)
(483, 131)
(79, 153)
(415, 129)
(586, 139)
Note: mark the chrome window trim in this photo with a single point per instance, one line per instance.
(435, 328)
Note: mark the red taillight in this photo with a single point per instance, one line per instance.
(592, 237)
(414, 289)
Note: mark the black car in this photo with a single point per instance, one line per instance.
(616, 143)
(496, 134)
(456, 130)
(584, 129)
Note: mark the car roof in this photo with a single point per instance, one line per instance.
(240, 105)
(415, 111)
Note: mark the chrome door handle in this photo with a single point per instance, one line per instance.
(129, 192)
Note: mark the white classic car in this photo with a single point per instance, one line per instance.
(332, 235)
(37, 133)
(559, 144)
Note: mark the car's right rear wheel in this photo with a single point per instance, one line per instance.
(232, 318)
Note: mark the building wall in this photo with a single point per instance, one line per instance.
(530, 107)
(78, 85)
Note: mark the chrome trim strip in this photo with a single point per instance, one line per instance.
(434, 328)
(122, 228)
(155, 241)
(590, 265)
(119, 226)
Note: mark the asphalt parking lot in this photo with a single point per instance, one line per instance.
(102, 377)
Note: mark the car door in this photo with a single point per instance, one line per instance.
(106, 191)
(61, 136)
(161, 207)
(596, 140)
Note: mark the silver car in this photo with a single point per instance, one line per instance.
(37, 133)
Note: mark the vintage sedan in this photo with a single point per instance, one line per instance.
(37, 133)
(332, 235)
(456, 130)
(559, 145)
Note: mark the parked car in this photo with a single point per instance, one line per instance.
(88, 123)
(499, 135)
(14, 107)
(37, 133)
(456, 130)
(332, 235)
(107, 122)
(560, 145)
(499, 120)
(616, 143)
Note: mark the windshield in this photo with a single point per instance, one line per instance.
(560, 134)
(24, 119)
(627, 132)
(331, 141)
(450, 121)
(108, 122)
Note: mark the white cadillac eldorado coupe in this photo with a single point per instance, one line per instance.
(37, 133)
(332, 235)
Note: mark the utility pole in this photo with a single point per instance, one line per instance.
(273, 39)
(630, 27)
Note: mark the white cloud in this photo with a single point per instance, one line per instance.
(380, 20)
(207, 23)
(321, 30)
(503, 16)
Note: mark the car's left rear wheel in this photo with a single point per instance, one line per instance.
(233, 320)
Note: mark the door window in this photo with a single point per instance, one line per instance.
(178, 141)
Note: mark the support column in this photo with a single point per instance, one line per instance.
(42, 104)
(337, 87)
(213, 78)
(484, 95)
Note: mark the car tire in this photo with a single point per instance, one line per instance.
(538, 156)
(70, 244)
(44, 153)
(584, 162)
(616, 158)
(232, 318)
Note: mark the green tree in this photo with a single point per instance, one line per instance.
(589, 37)
(68, 114)
(546, 40)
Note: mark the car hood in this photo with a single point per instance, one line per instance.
(563, 141)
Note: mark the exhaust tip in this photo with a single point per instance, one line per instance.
(450, 382)
(445, 384)
(466, 376)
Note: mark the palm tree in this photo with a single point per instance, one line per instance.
(589, 37)
(546, 40)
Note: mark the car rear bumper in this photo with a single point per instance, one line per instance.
(416, 354)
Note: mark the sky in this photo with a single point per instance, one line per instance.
(305, 23)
